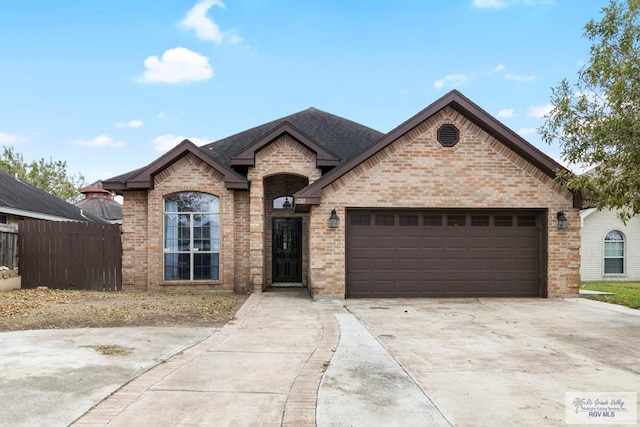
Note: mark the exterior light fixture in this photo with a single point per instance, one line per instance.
(562, 220)
(287, 207)
(334, 220)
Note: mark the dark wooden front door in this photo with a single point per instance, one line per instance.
(287, 250)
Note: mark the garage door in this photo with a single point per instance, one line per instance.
(443, 253)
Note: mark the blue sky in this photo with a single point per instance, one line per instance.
(109, 85)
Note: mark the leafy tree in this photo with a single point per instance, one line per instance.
(50, 176)
(597, 119)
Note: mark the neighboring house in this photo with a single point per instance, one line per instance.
(19, 200)
(449, 203)
(100, 202)
(610, 250)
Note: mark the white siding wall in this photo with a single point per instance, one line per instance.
(595, 226)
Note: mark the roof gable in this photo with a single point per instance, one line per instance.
(468, 109)
(247, 156)
(143, 178)
(337, 136)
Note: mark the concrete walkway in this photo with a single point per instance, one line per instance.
(265, 368)
(288, 360)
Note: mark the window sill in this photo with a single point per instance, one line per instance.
(191, 282)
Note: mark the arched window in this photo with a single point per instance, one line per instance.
(614, 253)
(191, 236)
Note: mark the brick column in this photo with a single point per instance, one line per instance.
(256, 233)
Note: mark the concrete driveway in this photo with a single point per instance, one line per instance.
(506, 361)
(289, 361)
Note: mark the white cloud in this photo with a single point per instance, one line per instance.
(505, 113)
(197, 20)
(450, 79)
(6, 138)
(178, 65)
(161, 115)
(234, 38)
(540, 112)
(526, 131)
(519, 77)
(130, 124)
(499, 4)
(167, 142)
(99, 141)
(497, 69)
(489, 4)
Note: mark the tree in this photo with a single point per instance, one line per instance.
(50, 176)
(597, 119)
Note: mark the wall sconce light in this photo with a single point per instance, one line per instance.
(334, 220)
(287, 206)
(562, 220)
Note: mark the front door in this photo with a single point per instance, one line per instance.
(287, 249)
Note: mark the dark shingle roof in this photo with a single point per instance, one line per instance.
(123, 177)
(340, 136)
(17, 195)
(107, 209)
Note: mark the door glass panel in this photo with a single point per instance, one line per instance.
(503, 221)
(456, 220)
(286, 237)
(432, 220)
(384, 219)
(408, 220)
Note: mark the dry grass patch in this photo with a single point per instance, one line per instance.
(25, 309)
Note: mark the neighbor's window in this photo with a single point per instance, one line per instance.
(614, 253)
(3, 219)
(191, 237)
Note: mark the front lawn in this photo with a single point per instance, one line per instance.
(626, 293)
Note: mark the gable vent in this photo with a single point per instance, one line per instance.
(448, 135)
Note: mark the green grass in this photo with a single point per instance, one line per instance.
(626, 293)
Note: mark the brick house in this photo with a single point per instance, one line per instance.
(449, 203)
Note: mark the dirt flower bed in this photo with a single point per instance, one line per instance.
(25, 309)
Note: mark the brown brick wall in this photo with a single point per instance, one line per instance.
(283, 156)
(242, 276)
(144, 221)
(417, 172)
(134, 239)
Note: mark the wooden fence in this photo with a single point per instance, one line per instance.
(70, 255)
(8, 246)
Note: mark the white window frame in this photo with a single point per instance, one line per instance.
(193, 250)
(605, 257)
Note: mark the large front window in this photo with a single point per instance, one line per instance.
(191, 237)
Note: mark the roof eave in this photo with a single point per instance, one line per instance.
(37, 215)
(327, 163)
(114, 186)
(144, 179)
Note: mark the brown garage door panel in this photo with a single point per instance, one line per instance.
(495, 253)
